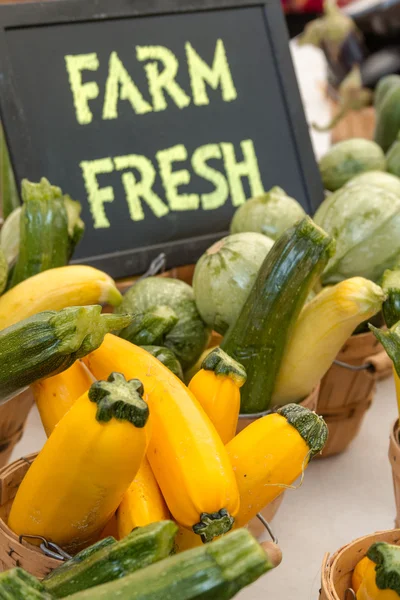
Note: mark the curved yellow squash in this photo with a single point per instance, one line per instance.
(217, 387)
(360, 571)
(79, 478)
(142, 503)
(55, 395)
(271, 453)
(368, 590)
(186, 454)
(54, 289)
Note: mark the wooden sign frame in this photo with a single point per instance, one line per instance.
(16, 127)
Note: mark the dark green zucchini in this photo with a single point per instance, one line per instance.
(214, 571)
(167, 357)
(388, 119)
(143, 547)
(44, 241)
(16, 584)
(258, 338)
(50, 342)
(385, 84)
(81, 556)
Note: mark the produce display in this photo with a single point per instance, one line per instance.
(146, 478)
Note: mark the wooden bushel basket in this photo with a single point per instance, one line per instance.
(268, 512)
(346, 394)
(13, 415)
(394, 457)
(337, 569)
(15, 553)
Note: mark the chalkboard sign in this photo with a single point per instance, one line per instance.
(160, 116)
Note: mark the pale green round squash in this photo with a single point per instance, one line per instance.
(270, 214)
(349, 158)
(365, 221)
(224, 276)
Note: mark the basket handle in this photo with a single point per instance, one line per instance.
(380, 363)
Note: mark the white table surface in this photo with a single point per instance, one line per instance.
(342, 497)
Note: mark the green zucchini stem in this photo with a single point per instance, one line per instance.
(222, 364)
(212, 525)
(121, 399)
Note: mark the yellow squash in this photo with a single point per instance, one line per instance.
(217, 387)
(55, 395)
(377, 576)
(186, 454)
(271, 453)
(78, 480)
(54, 289)
(322, 328)
(360, 571)
(142, 503)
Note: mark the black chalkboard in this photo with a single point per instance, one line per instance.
(83, 104)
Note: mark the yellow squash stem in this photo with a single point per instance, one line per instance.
(55, 395)
(377, 576)
(322, 328)
(186, 454)
(217, 387)
(271, 453)
(78, 480)
(142, 503)
(54, 289)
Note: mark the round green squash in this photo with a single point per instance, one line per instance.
(393, 158)
(365, 221)
(349, 158)
(224, 276)
(387, 181)
(158, 300)
(270, 214)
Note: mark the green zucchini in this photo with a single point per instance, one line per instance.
(167, 357)
(49, 342)
(84, 554)
(258, 338)
(44, 242)
(391, 307)
(143, 547)
(214, 571)
(388, 119)
(385, 84)
(16, 584)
